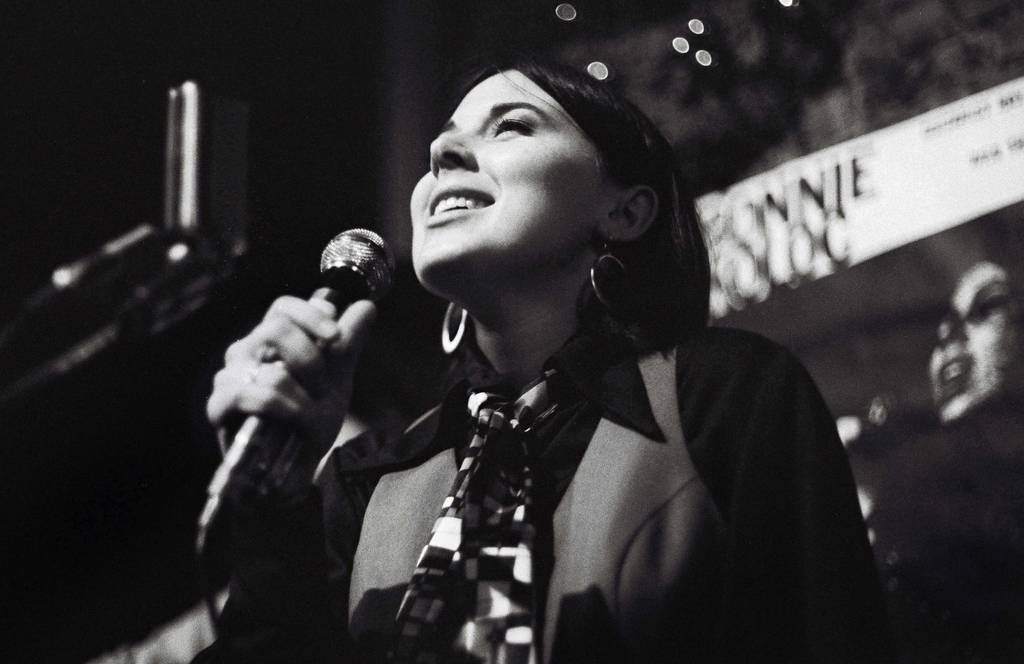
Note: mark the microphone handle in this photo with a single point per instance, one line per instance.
(254, 445)
(265, 450)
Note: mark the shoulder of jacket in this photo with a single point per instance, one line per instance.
(732, 349)
(734, 339)
(376, 453)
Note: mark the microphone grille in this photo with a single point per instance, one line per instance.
(363, 252)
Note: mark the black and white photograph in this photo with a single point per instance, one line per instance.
(437, 331)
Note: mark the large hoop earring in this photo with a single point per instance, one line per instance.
(450, 342)
(608, 279)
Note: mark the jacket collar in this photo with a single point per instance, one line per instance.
(604, 371)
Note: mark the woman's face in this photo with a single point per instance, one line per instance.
(512, 198)
(979, 346)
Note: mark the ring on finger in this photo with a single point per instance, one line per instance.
(267, 354)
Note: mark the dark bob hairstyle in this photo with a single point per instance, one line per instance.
(668, 272)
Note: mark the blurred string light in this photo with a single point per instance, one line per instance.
(177, 252)
(565, 12)
(64, 276)
(598, 70)
(681, 45)
(789, 3)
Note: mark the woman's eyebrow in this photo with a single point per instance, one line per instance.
(992, 289)
(498, 110)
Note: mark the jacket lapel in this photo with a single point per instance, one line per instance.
(625, 532)
(627, 526)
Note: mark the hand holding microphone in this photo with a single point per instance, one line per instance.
(293, 373)
(295, 366)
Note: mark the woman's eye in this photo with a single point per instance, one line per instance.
(512, 124)
(987, 306)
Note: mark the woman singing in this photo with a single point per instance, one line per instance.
(607, 479)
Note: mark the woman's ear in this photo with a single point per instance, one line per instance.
(636, 209)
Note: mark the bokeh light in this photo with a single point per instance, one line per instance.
(63, 277)
(598, 70)
(177, 252)
(565, 12)
(696, 26)
(681, 45)
(704, 58)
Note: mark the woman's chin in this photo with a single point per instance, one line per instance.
(445, 276)
(961, 405)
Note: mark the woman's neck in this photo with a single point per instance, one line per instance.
(524, 334)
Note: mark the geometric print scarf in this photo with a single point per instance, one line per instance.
(470, 598)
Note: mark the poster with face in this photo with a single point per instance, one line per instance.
(893, 266)
(937, 446)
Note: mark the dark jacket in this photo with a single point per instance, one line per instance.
(712, 517)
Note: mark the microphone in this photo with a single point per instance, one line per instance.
(355, 265)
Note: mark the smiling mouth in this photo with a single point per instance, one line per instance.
(953, 377)
(952, 371)
(460, 202)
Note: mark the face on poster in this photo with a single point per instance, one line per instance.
(978, 352)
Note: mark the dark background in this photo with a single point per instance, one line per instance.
(104, 470)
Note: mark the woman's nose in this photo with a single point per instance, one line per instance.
(448, 152)
(951, 330)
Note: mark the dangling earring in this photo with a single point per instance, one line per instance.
(608, 279)
(450, 342)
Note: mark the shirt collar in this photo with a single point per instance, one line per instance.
(600, 367)
(603, 370)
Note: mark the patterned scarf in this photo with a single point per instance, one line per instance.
(471, 595)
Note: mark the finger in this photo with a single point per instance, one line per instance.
(315, 317)
(302, 355)
(268, 402)
(239, 351)
(216, 410)
(222, 405)
(261, 344)
(226, 405)
(270, 391)
(320, 300)
(275, 376)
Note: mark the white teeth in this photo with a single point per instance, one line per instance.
(457, 203)
(952, 371)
